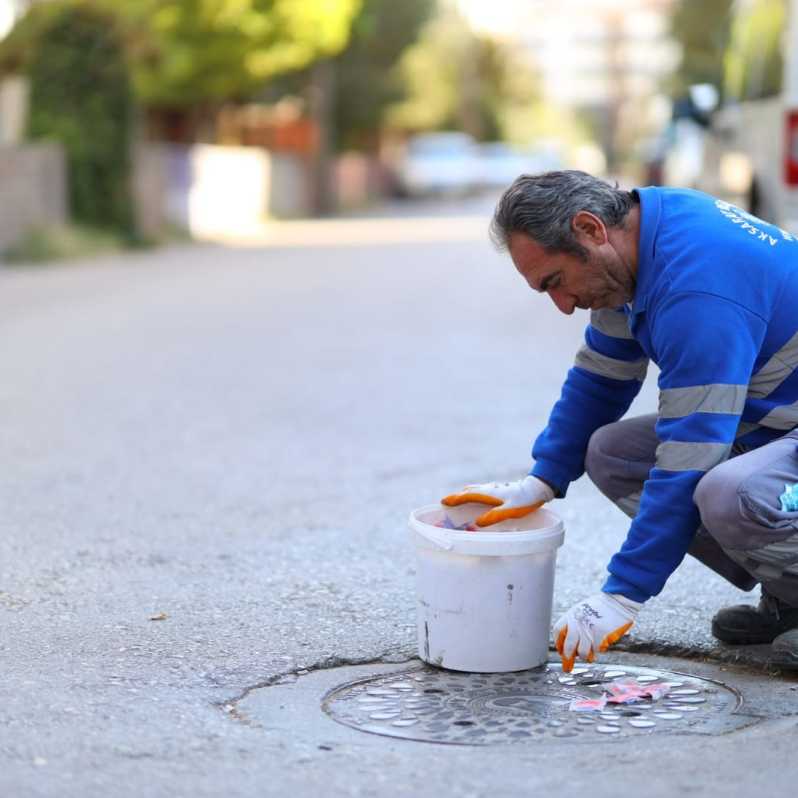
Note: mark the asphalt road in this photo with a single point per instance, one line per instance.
(207, 458)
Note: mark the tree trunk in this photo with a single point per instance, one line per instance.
(320, 102)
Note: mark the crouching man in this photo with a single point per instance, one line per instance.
(709, 294)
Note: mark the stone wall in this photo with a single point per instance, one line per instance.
(202, 189)
(207, 189)
(359, 180)
(32, 190)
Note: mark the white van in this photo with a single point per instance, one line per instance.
(750, 153)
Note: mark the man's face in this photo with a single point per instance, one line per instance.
(570, 281)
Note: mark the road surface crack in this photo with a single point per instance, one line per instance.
(230, 705)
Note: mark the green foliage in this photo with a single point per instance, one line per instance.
(455, 79)
(753, 65)
(189, 52)
(431, 73)
(46, 244)
(739, 53)
(365, 79)
(703, 45)
(80, 95)
(17, 48)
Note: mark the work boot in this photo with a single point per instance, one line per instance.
(785, 649)
(744, 625)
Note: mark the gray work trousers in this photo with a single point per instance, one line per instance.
(744, 535)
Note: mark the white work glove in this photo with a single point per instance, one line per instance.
(592, 626)
(512, 499)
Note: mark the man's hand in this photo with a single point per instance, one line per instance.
(511, 499)
(592, 626)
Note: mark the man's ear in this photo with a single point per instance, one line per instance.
(589, 228)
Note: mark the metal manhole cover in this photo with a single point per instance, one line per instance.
(483, 709)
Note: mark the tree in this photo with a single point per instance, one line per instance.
(703, 46)
(455, 79)
(365, 81)
(753, 65)
(186, 53)
(189, 52)
(81, 95)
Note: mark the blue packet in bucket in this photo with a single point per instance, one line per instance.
(789, 499)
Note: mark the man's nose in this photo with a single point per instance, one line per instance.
(565, 302)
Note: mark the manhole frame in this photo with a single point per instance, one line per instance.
(735, 718)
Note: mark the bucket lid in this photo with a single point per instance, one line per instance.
(544, 533)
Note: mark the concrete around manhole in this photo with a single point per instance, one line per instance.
(432, 705)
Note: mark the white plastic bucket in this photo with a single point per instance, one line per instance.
(484, 598)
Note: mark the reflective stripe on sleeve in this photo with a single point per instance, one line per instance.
(683, 456)
(784, 417)
(611, 322)
(775, 371)
(630, 504)
(596, 363)
(716, 398)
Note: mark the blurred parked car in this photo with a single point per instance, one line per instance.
(751, 154)
(500, 163)
(439, 163)
(746, 151)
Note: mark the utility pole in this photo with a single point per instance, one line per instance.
(614, 22)
(320, 103)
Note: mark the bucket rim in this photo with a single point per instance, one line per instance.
(547, 538)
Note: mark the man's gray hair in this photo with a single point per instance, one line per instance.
(543, 207)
